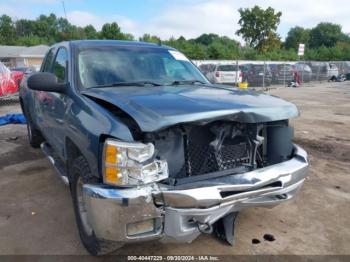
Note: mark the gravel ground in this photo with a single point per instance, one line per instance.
(36, 214)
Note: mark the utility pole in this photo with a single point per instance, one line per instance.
(64, 10)
(301, 52)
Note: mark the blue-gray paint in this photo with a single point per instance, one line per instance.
(155, 108)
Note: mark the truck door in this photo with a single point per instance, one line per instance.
(56, 103)
(40, 103)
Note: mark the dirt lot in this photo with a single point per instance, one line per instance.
(36, 215)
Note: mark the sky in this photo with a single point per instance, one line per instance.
(174, 18)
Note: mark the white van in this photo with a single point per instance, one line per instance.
(225, 74)
(332, 71)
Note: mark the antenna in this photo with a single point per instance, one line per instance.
(64, 10)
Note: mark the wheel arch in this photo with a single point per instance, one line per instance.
(72, 151)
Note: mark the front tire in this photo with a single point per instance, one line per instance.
(80, 174)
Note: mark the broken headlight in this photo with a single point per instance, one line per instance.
(131, 164)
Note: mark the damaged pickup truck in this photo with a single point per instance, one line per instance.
(150, 149)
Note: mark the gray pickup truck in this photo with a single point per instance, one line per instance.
(152, 150)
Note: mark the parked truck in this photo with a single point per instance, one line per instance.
(150, 149)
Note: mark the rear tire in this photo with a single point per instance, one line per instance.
(80, 174)
(34, 136)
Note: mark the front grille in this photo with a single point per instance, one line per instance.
(204, 158)
(232, 156)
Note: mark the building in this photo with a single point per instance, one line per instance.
(15, 56)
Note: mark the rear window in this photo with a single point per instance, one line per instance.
(226, 68)
(333, 66)
(259, 67)
(243, 67)
(207, 68)
(285, 67)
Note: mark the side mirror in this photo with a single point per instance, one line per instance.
(45, 82)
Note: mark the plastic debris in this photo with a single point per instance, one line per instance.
(12, 119)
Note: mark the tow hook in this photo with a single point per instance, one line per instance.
(204, 228)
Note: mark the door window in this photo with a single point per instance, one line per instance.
(60, 65)
(48, 61)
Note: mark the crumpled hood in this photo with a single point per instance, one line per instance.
(155, 108)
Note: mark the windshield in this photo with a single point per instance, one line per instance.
(103, 66)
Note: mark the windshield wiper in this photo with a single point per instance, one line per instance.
(186, 82)
(135, 83)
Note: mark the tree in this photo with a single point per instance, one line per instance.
(51, 29)
(296, 36)
(223, 50)
(30, 41)
(216, 51)
(111, 31)
(7, 30)
(24, 27)
(76, 33)
(344, 46)
(325, 34)
(47, 28)
(206, 39)
(90, 32)
(258, 26)
(64, 30)
(150, 38)
(198, 51)
(128, 37)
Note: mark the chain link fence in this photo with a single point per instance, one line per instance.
(9, 99)
(258, 74)
(266, 74)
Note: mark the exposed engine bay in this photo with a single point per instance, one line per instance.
(196, 152)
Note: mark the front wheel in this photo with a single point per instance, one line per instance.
(79, 175)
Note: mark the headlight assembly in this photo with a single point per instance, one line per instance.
(131, 164)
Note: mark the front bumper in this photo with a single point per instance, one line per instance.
(175, 215)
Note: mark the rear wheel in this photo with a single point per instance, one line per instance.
(34, 136)
(80, 174)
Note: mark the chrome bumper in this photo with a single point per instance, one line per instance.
(112, 212)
